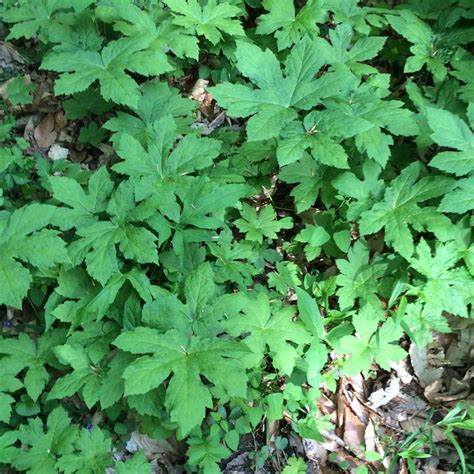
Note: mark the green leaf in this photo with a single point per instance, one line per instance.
(309, 313)
(273, 105)
(6, 402)
(207, 453)
(421, 322)
(209, 20)
(82, 205)
(269, 331)
(19, 91)
(30, 19)
(187, 397)
(264, 224)
(158, 100)
(7, 451)
(45, 447)
(290, 27)
(359, 278)
(308, 177)
(82, 68)
(452, 132)
(400, 209)
(137, 464)
(285, 277)
(371, 342)
(22, 239)
(461, 199)
(15, 281)
(93, 456)
(447, 287)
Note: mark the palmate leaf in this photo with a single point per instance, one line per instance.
(93, 453)
(308, 176)
(135, 22)
(24, 237)
(344, 49)
(23, 353)
(187, 397)
(359, 278)
(160, 159)
(99, 239)
(276, 101)
(364, 192)
(44, 448)
(421, 323)
(400, 209)
(81, 68)
(461, 199)
(9, 383)
(210, 20)
(450, 131)
(200, 313)
(82, 207)
(267, 331)
(137, 464)
(371, 342)
(7, 450)
(423, 39)
(264, 224)
(158, 100)
(290, 27)
(353, 108)
(81, 300)
(448, 287)
(32, 18)
(207, 453)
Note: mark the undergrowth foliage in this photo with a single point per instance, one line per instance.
(198, 281)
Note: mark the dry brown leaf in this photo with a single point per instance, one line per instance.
(370, 437)
(413, 424)
(405, 406)
(315, 451)
(401, 368)
(9, 55)
(460, 351)
(272, 428)
(354, 431)
(152, 447)
(427, 363)
(45, 133)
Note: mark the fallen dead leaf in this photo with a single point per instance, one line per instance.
(370, 437)
(427, 363)
(315, 451)
(151, 447)
(354, 431)
(272, 428)
(9, 55)
(413, 424)
(45, 133)
(401, 368)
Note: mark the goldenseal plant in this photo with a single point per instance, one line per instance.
(200, 266)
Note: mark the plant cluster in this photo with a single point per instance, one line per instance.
(202, 279)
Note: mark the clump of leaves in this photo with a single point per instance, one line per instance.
(192, 276)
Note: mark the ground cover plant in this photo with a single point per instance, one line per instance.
(236, 236)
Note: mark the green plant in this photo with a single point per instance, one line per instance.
(418, 443)
(224, 255)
